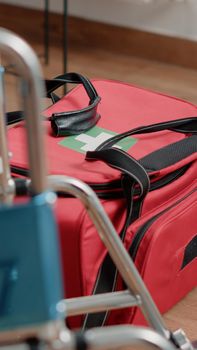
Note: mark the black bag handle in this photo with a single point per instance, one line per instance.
(132, 173)
(69, 122)
(70, 78)
(170, 154)
(118, 159)
(186, 126)
(78, 121)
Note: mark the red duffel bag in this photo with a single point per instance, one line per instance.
(140, 156)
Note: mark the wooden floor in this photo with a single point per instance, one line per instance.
(169, 79)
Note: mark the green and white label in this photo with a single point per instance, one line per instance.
(94, 137)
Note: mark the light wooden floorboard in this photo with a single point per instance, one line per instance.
(169, 79)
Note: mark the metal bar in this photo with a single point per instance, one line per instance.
(101, 302)
(65, 36)
(7, 187)
(65, 39)
(114, 245)
(46, 32)
(32, 90)
(111, 338)
(124, 336)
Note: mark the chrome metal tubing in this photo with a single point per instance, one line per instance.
(7, 187)
(101, 302)
(28, 67)
(114, 246)
(124, 336)
(116, 337)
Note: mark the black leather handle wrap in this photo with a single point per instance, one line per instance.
(78, 121)
(75, 122)
(68, 122)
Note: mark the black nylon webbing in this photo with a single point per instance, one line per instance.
(190, 252)
(171, 154)
(107, 276)
(133, 173)
(186, 126)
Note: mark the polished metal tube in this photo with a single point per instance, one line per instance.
(124, 336)
(101, 302)
(111, 338)
(28, 67)
(6, 182)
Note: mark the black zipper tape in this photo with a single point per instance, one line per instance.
(113, 190)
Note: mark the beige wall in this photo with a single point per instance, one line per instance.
(170, 17)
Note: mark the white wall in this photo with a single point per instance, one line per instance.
(170, 17)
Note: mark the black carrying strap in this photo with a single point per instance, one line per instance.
(69, 122)
(14, 117)
(186, 126)
(120, 160)
(190, 252)
(170, 154)
(133, 173)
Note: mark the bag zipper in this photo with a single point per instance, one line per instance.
(113, 189)
(139, 235)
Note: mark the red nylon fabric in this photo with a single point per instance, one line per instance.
(123, 107)
(170, 236)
